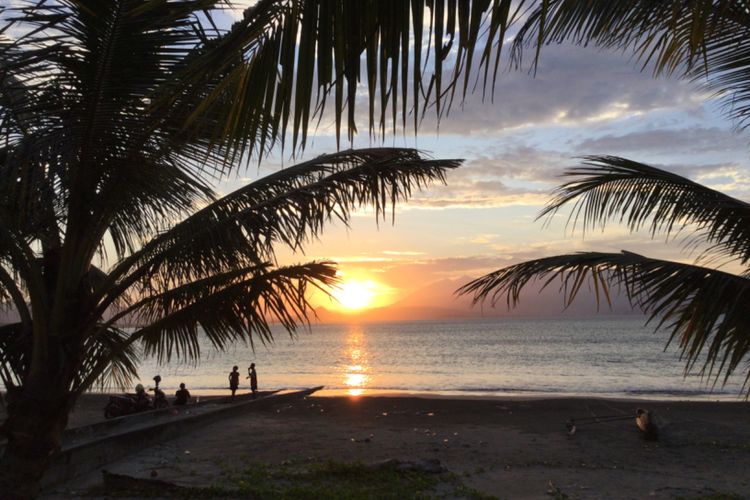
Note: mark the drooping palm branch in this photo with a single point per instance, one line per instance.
(612, 188)
(706, 40)
(704, 309)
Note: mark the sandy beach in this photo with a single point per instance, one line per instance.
(506, 448)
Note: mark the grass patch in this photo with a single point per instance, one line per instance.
(349, 481)
(344, 481)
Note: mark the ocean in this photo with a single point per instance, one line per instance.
(598, 357)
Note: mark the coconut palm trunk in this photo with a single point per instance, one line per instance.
(37, 416)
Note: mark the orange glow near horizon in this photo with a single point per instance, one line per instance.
(356, 378)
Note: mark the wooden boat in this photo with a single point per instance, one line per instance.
(645, 422)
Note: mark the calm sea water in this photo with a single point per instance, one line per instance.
(617, 357)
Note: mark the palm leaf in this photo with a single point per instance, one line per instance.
(111, 343)
(320, 44)
(287, 207)
(235, 306)
(15, 353)
(609, 187)
(704, 309)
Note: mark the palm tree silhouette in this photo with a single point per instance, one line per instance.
(704, 308)
(115, 119)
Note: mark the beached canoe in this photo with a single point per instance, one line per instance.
(645, 422)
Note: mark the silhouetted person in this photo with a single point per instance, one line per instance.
(234, 380)
(181, 397)
(142, 401)
(253, 376)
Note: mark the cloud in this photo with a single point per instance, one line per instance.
(684, 141)
(402, 253)
(517, 175)
(238, 7)
(573, 86)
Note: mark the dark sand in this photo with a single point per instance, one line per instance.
(508, 448)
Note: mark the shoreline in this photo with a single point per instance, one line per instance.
(527, 395)
(727, 397)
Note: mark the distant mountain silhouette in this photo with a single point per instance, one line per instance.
(438, 301)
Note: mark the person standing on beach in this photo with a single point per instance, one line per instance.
(253, 376)
(234, 380)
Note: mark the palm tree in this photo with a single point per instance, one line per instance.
(705, 308)
(116, 117)
(703, 40)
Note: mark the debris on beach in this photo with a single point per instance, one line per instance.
(122, 482)
(555, 491)
(425, 465)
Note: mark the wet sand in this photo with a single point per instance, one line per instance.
(508, 448)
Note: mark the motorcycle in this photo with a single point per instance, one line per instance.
(128, 404)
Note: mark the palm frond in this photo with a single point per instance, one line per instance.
(704, 309)
(320, 47)
(609, 187)
(15, 353)
(243, 309)
(235, 306)
(11, 292)
(287, 207)
(111, 343)
(703, 39)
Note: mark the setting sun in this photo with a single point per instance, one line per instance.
(354, 294)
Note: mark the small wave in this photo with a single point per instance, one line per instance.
(676, 392)
(505, 389)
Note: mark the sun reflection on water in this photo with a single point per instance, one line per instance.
(356, 377)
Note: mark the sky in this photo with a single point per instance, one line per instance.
(582, 101)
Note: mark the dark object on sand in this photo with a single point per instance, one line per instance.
(127, 404)
(425, 465)
(130, 484)
(572, 424)
(643, 419)
(645, 422)
(117, 406)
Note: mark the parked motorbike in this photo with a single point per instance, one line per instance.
(128, 404)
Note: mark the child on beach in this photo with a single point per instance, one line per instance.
(234, 380)
(253, 376)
